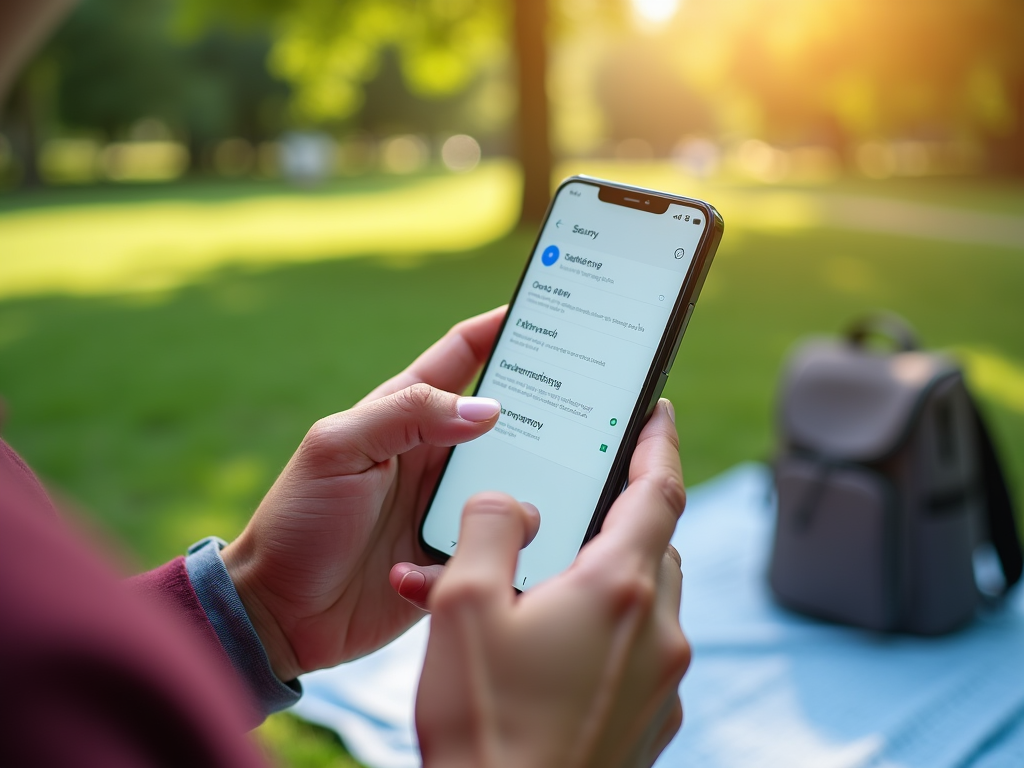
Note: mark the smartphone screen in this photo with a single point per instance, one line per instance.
(569, 367)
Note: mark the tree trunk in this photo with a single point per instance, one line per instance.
(22, 130)
(1006, 153)
(531, 18)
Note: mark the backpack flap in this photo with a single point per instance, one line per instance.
(844, 402)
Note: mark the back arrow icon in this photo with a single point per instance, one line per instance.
(558, 223)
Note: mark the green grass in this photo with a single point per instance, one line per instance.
(166, 415)
(290, 742)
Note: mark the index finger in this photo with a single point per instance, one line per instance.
(643, 518)
(452, 361)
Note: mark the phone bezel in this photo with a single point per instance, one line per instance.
(632, 197)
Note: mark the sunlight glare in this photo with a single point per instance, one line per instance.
(655, 11)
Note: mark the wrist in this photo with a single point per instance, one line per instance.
(242, 565)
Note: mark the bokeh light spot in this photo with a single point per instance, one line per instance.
(403, 154)
(461, 153)
(655, 11)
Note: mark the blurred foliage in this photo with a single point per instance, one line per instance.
(831, 73)
(119, 63)
(328, 50)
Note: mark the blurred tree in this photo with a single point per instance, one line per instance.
(116, 66)
(329, 51)
(116, 62)
(836, 72)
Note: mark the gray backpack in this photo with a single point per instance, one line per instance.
(887, 483)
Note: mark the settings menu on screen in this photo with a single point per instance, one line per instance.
(568, 369)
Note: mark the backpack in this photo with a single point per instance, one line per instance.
(887, 481)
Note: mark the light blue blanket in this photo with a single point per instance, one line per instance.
(766, 688)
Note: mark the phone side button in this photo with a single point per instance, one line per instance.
(679, 339)
(662, 379)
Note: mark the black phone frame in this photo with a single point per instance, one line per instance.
(650, 201)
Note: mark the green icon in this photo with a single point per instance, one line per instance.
(613, 422)
(604, 448)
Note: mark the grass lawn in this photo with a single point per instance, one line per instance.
(161, 383)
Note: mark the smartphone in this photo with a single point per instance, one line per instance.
(581, 359)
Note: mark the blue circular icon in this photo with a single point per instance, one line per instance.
(550, 255)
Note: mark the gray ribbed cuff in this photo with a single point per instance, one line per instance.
(224, 609)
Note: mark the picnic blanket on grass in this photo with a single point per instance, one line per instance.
(767, 688)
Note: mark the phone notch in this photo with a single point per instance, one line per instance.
(632, 198)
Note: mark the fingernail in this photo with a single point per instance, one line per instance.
(478, 408)
(670, 409)
(411, 584)
(533, 507)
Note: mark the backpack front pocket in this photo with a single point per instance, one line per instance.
(835, 542)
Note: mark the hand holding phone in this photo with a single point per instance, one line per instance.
(582, 670)
(312, 565)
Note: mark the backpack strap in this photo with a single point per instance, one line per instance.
(1002, 524)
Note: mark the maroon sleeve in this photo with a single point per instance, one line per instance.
(169, 585)
(26, 481)
(97, 673)
(170, 588)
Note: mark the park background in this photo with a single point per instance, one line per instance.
(223, 219)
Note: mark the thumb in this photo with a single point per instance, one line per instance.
(376, 431)
(414, 582)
